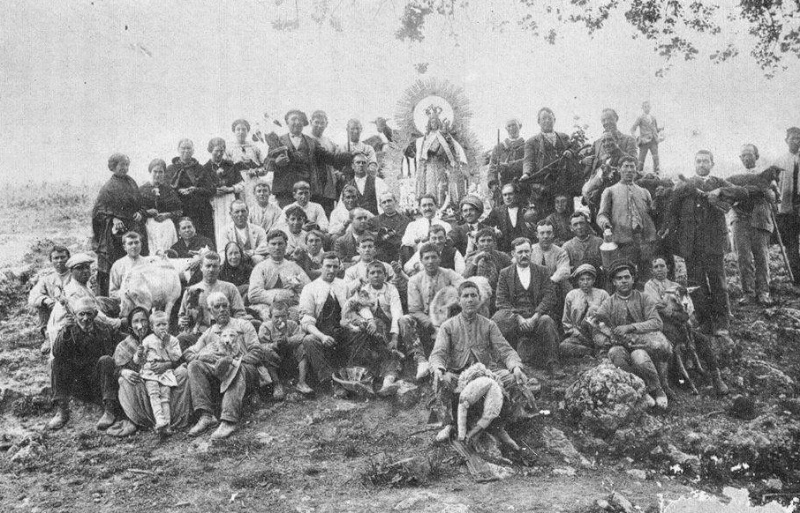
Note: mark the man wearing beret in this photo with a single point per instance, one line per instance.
(304, 159)
(463, 234)
(638, 345)
(82, 363)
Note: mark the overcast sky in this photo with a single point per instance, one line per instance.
(81, 80)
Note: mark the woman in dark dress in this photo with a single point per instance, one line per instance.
(195, 186)
(162, 206)
(236, 267)
(117, 210)
(228, 181)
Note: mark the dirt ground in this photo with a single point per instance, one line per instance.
(326, 455)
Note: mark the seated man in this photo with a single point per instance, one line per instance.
(462, 235)
(49, 287)
(282, 340)
(222, 366)
(314, 211)
(390, 226)
(262, 212)
(132, 243)
(450, 257)
(357, 273)
(209, 267)
(525, 300)
(463, 340)
(580, 305)
(321, 305)
(80, 268)
(293, 228)
(419, 229)
(340, 217)
(416, 328)
(638, 346)
(250, 237)
(346, 246)
(555, 260)
(83, 364)
(372, 316)
(276, 278)
(584, 247)
(189, 242)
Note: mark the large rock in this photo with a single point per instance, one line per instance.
(605, 398)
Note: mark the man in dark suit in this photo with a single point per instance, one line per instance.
(525, 299)
(304, 159)
(697, 220)
(509, 219)
(471, 210)
(390, 225)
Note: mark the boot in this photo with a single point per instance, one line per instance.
(205, 422)
(224, 430)
(719, 385)
(61, 417)
(108, 418)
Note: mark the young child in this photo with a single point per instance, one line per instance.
(159, 347)
(283, 340)
(579, 305)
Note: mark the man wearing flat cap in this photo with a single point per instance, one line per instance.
(79, 266)
(638, 346)
(463, 234)
(83, 365)
(305, 159)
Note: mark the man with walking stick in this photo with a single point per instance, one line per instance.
(788, 218)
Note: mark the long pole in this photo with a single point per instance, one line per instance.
(783, 248)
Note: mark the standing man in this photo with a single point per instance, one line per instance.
(509, 219)
(525, 300)
(321, 305)
(625, 211)
(390, 226)
(354, 145)
(303, 160)
(505, 164)
(222, 373)
(416, 328)
(788, 217)
(49, 287)
(752, 229)
(368, 187)
(330, 190)
(697, 219)
(648, 137)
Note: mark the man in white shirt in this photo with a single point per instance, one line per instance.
(262, 212)
(419, 229)
(132, 243)
(314, 211)
(788, 217)
(250, 237)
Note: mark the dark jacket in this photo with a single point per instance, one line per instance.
(390, 231)
(499, 218)
(541, 295)
(306, 163)
(698, 227)
(197, 204)
(505, 163)
(459, 236)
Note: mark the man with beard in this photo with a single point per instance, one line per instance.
(330, 190)
(506, 161)
(303, 160)
(526, 298)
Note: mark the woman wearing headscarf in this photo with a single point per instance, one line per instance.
(236, 267)
(117, 210)
(229, 184)
(240, 150)
(195, 186)
(133, 395)
(162, 208)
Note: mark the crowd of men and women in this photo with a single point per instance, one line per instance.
(331, 274)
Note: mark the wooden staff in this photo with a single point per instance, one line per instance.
(780, 244)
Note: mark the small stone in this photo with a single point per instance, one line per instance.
(564, 471)
(774, 483)
(603, 504)
(619, 503)
(408, 395)
(638, 474)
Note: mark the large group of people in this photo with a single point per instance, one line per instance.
(304, 264)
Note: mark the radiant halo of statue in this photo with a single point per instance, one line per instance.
(421, 114)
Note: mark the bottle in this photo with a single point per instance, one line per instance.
(609, 251)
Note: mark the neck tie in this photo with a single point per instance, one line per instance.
(544, 261)
(794, 180)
